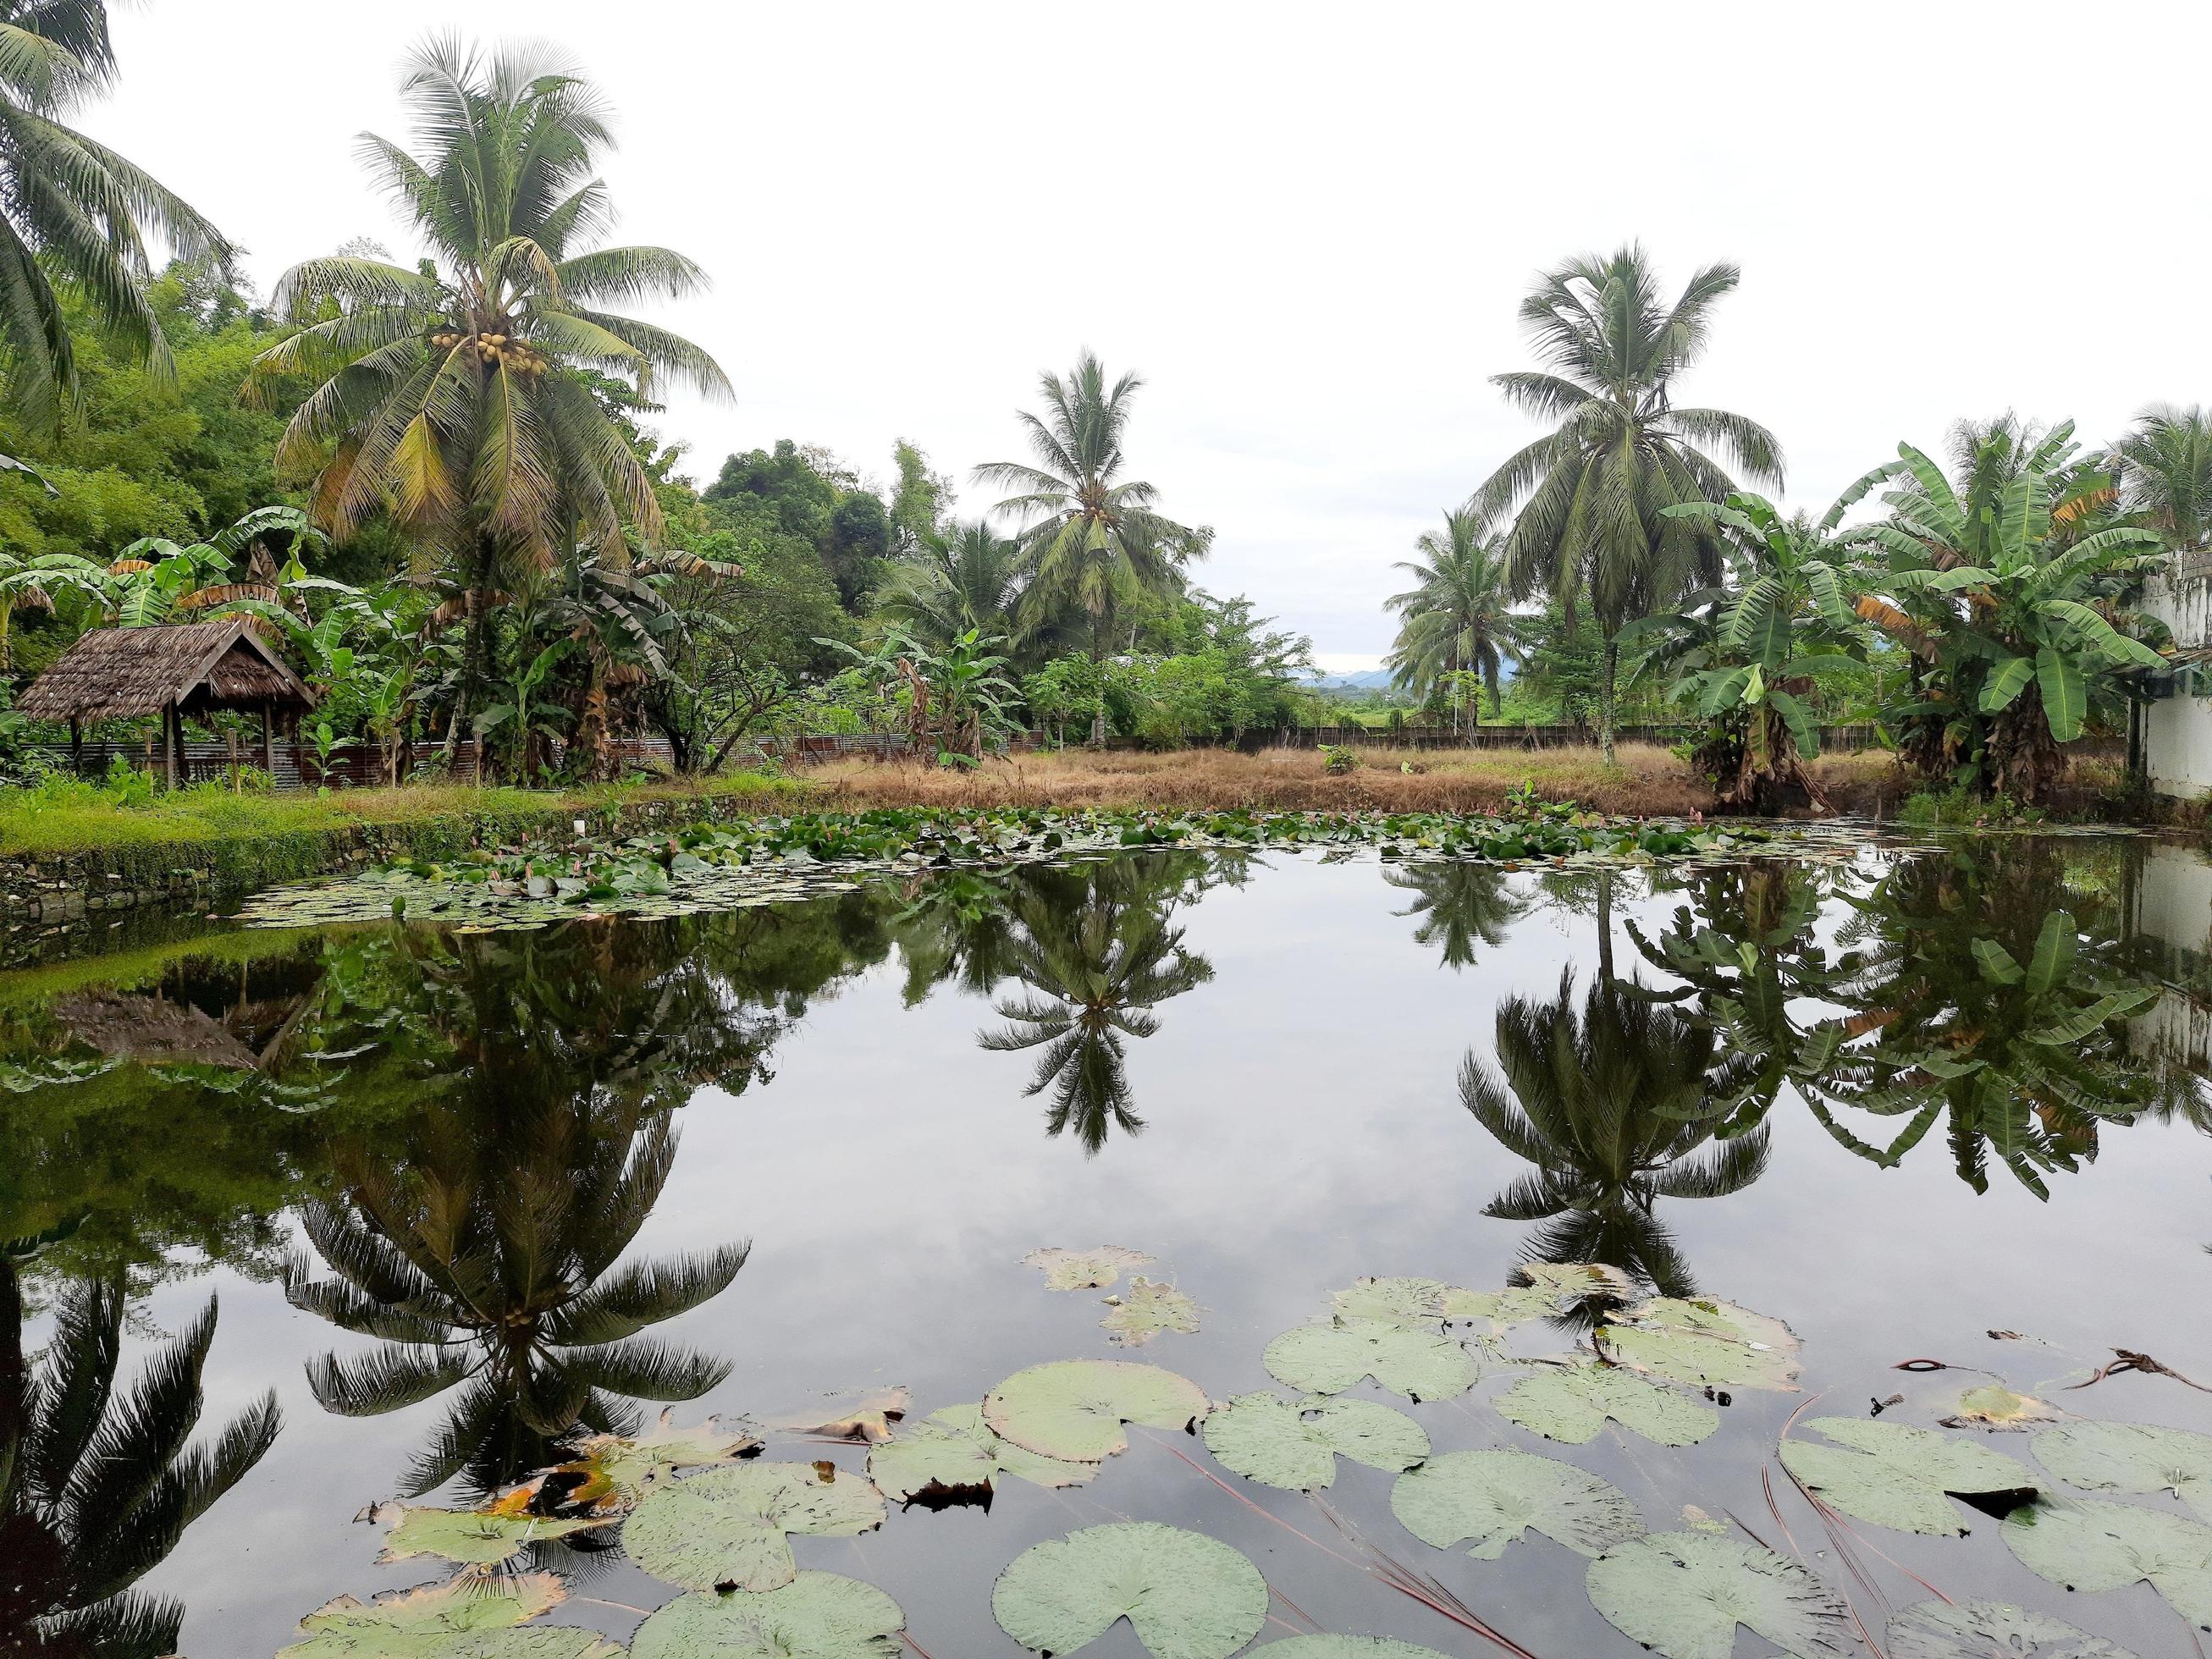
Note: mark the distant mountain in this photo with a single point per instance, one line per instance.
(1366, 679)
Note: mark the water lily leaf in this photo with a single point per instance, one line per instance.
(1713, 1343)
(955, 1450)
(1982, 1630)
(818, 1615)
(619, 1472)
(2086, 1544)
(475, 1538)
(1187, 1596)
(1998, 1407)
(1569, 1283)
(1073, 1409)
(1344, 1647)
(1572, 1403)
(1295, 1444)
(1329, 1358)
(870, 1420)
(465, 1618)
(730, 1526)
(1085, 1270)
(1897, 1475)
(2132, 1457)
(1147, 1309)
(1493, 1497)
(1683, 1594)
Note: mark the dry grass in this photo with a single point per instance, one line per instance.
(1647, 780)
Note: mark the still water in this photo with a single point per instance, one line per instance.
(1272, 1075)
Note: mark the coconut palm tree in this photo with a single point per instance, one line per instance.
(1591, 494)
(1091, 539)
(1457, 617)
(1610, 1102)
(97, 1484)
(966, 577)
(73, 209)
(2164, 466)
(463, 398)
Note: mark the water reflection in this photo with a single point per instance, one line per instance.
(1459, 906)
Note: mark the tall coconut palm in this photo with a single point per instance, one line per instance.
(460, 397)
(1457, 617)
(73, 209)
(1592, 493)
(2165, 465)
(1610, 1102)
(1091, 540)
(966, 577)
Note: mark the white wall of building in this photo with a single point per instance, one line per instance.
(2178, 730)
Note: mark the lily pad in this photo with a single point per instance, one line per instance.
(1187, 1596)
(475, 1538)
(1085, 1270)
(954, 1450)
(619, 1471)
(2132, 1457)
(1344, 1647)
(1329, 1358)
(1295, 1444)
(732, 1526)
(1982, 1630)
(1570, 1403)
(818, 1615)
(1569, 1283)
(1683, 1594)
(1716, 1345)
(1995, 1406)
(465, 1618)
(1493, 1497)
(2086, 1544)
(869, 1420)
(1073, 1409)
(1147, 1309)
(1897, 1475)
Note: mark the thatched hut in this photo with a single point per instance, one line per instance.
(173, 670)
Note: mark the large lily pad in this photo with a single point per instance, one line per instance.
(818, 1615)
(1683, 1594)
(1410, 1302)
(1093, 1269)
(732, 1526)
(1712, 1343)
(1985, 1629)
(1896, 1475)
(1493, 1497)
(1295, 1444)
(475, 1538)
(465, 1618)
(1570, 1403)
(1187, 1596)
(1073, 1409)
(618, 1472)
(954, 1450)
(1146, 1310)
(2132, 1457)
(1329, 1358)
(1344, 1647)
(2089, 1545)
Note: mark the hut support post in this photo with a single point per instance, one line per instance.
(171, 741)
(268, 742)
(237, 779)
(76, 748)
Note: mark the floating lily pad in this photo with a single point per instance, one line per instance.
(1572, 1403)
(1295, 1444)
(1897, 1475)
(1344, 1647)
(1715, 1344)
(1085, 1270)
(1187, 1596)
(869, 1420)
(2089, 1545)
(2132, 1457)
(1683, 1594)
(1073, 1409)
(1570, 1283)
(1146, 1310)
(954, 1450)
(1493, 1497)
(475, 1538)
(1329, 1358)
(730, 1526)
(1403, 1300)
(818, 1615)
(620, 1471)
(465, 1618)
(1983, 1630)
(1998, 1407)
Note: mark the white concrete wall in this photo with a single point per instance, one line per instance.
(2173, 905)
(2178, 730)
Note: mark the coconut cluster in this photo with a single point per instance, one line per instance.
(502, 349)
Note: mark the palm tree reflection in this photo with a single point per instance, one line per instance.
(1460, 905)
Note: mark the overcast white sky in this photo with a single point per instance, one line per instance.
(1307, 227)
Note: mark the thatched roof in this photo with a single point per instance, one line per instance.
(150, 1031)
(114, 672)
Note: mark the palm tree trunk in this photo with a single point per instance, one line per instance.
(1605, 926)
(1605, 698)
(1098, 661)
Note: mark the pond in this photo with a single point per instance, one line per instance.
(458, 1198)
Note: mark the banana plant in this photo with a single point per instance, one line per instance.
(523, 725)
(155, 579)
(31, 584)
